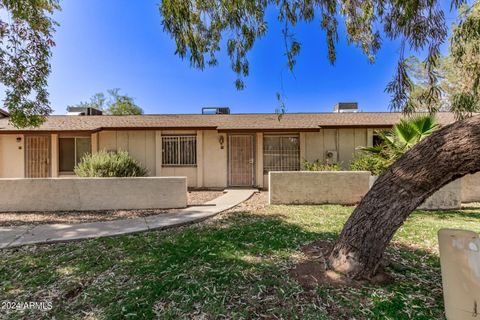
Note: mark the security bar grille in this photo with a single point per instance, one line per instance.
(37, 156)
(241, 160)
(281, 153)
(179, 150)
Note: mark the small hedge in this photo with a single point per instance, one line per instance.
(109, 164)
(317, 165)
(367, 162)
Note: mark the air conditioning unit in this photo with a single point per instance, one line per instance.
(331, 156)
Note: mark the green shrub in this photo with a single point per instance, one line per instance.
(369, 162)
(109, 164)
(317, 165)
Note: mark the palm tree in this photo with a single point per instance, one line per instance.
(402, 137)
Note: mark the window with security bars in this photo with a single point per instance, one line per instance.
(281, 153)
(179, 150)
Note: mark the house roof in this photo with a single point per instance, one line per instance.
(3, 113)
(221, 122)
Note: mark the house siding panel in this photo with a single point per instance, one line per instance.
(314, 146)
(215, 160)
(12, 159)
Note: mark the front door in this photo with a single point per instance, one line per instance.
(37, 156)
(241, 160)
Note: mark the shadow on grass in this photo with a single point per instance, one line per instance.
(236, 267)
(470, 213)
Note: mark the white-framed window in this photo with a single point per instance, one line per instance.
(71, 151)
(179, 150)
(281, 152)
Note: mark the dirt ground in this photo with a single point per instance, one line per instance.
(22, 218)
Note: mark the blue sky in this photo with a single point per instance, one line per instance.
(120, 44)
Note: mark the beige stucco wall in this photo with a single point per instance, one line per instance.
(92, 193)
(145, 146)
(140, 144)
(317, 187)
(214, 160)
(344, 141)
(471, 188)
(12, 158)
(189, 172)
(448, 197)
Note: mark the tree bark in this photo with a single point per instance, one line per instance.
(448, 154)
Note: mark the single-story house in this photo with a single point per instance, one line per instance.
(211, 150)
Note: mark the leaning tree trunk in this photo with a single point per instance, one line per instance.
(448, 154)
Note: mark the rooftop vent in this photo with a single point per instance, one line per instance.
(83, 111)
(346, 107)
(215, 110)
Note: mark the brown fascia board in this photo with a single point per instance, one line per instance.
(374, 126)
(224, 130)
(32, 132)
(151, 128)
(369, 126)
(20, 131)
(252, 130)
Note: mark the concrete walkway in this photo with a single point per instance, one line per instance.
(22, 235)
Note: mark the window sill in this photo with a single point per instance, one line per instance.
(179, 165)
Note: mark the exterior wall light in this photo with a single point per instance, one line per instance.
(221, 140)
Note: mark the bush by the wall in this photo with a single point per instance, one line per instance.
(317, 165)
(368, 162)
(109, 164)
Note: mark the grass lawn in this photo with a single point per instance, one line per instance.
(233, 266)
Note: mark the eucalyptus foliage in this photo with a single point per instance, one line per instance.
(458, 72)
(201, 27)
(26, 30)
(113, 103)
(465, 52)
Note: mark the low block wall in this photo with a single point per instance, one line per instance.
(64, 194)
(471, 188)
(448, 197)
(317, 187)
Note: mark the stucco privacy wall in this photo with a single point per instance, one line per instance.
(448, 197)
(471, 188)
(12, 157)
(317, 187)
(92, 193)
(344, 187)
